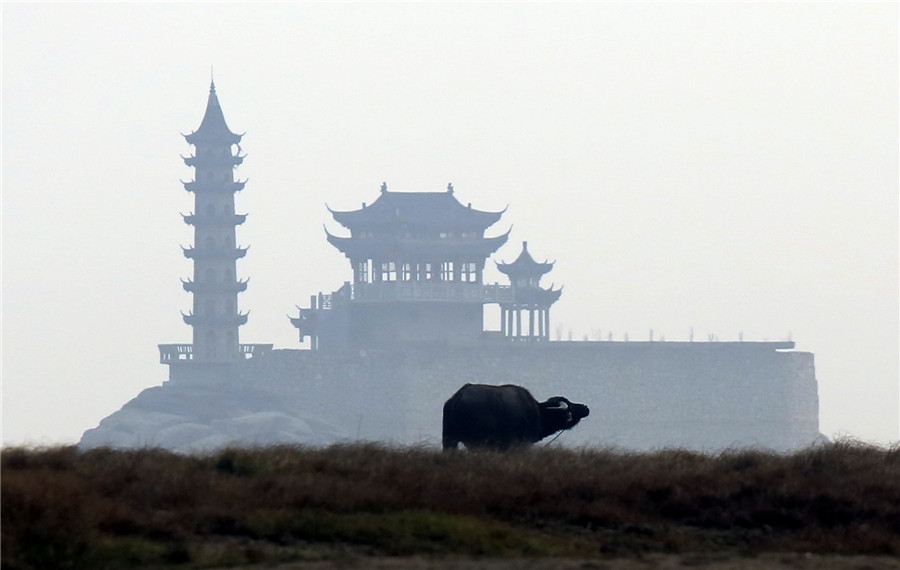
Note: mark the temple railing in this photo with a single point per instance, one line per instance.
(180, 353)
(432, 291)
(416, 291)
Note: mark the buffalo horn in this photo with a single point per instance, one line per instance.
(561, 406)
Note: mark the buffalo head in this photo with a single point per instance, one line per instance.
(559, 413)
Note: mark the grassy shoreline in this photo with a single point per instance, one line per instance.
(65, 508)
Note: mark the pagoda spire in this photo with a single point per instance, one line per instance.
(213, 126)
(215, 318)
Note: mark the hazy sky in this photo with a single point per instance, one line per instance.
(726, 168)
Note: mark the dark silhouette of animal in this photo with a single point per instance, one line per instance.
(501, 417)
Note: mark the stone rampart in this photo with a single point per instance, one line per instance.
(642, 395)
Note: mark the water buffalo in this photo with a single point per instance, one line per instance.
(500, 417)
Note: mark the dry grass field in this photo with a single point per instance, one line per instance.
(369, 506)
(653, 561)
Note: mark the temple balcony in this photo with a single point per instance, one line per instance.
(432, 291)
(215, 320)
(183, 353)
(413, 291)
(215, 252)
(215, 220)
(214, 286)
(224, 187)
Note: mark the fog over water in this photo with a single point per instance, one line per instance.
(726, 169)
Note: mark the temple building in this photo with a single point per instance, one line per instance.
(529, 299)
(417, 260)
(416, 295)
(214, 319)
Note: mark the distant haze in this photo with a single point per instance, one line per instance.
(726, 169)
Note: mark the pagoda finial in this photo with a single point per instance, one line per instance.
(212, 81)
(383, 187)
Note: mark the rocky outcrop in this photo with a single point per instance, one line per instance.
(207, 416)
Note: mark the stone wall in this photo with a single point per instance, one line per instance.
(642, 395)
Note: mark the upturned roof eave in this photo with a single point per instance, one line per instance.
(515, 270)
(538, 296)
(436, 250)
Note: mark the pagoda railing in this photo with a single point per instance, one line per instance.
(177, 353)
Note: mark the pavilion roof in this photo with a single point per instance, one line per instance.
(537, 296)
(525, 265)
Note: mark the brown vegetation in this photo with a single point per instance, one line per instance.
(65, 508)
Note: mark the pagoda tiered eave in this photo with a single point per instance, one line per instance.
(208, 221)
(216, 252)
(214, 187)
(214, 160)
(215, 320)
(215, 286)
(198, 137)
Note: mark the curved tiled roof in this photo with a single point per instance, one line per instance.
(394, 248)
(537, 297)
(435, 210)
(525, 265)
